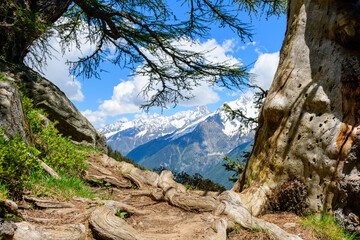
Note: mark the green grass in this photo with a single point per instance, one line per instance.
(326, 227)
(66, 187)
(87, 149)
(3, 192)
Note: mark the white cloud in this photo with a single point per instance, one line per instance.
(58, 72)
(97, 118)
(264, 69)
(126, 97)
(244, 47)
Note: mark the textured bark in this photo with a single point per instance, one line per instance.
(17, 36)
(309, 123)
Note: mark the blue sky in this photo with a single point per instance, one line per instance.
(115, 96)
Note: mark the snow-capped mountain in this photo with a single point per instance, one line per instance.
(126, 135)
(194, 141)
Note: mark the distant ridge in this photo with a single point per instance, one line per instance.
(193, 141)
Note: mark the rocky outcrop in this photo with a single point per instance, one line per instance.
(309, 123)
(12, 118)
(59, 108)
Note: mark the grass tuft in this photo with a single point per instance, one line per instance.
(326, 227)
(66, 187)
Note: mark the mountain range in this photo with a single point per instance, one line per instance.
(194, 141)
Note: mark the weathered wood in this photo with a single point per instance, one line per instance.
(309, 122)
(49, 170)
(119, 206)
(135, 180)
(45, 203)
(108, 226)
(26, 231)
(109, 179)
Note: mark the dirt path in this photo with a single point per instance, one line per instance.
(158, 209)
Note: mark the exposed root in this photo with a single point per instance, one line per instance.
(109, 179)
(42, 203)
(123, 207)
(134, 179)
(110, 227)
(228, 203)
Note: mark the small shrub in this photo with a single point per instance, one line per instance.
(291, 197)
(326, 227)
(59, 152)
(16, 160)
(56, 151)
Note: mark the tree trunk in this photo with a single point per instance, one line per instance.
(17, 34)
(309, 123)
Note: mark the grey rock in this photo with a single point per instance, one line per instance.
(12, 117)
(289, 225)
(7, 228)
(26, 231)
(59, 108)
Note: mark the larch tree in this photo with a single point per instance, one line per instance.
(133, 32)
(309, 123)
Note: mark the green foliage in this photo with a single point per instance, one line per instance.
(56, 151)
(326, 227)
(16, 160)
(119, 157)
(121, 214)
(233, 166)
(2, 77)
(194, 182)
(66, 187)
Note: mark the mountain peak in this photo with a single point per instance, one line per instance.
(203, 109)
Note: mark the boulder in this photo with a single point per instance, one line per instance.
(12, 118)
(59, 108)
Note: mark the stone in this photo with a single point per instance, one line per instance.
(27, 231)
(12, 118)
(49, 97)
(7, 229)
(289, 225)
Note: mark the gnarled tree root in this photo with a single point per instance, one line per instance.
(44, 203)
(227, 203)
(108, 226)
(119, 206)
